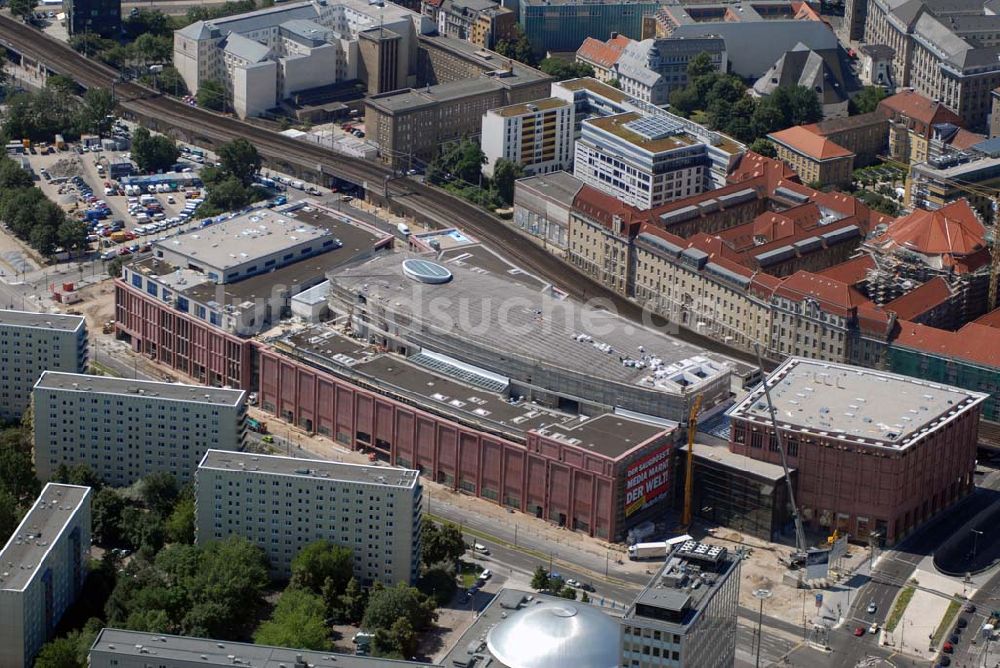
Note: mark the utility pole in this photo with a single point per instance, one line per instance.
(761, 595)
(975, 542)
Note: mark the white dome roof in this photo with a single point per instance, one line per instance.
(553, 633)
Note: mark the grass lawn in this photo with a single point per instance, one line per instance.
(899, 607)
(949, 617)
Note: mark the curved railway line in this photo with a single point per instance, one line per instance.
(167, 114)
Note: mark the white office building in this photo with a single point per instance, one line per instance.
(537, 135)
(644, 161)
(126, 429)
(268, 55)
(42, 569)
(686, 615)
(31, 343)
(282, 504)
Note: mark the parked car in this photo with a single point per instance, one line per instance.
(872, 608)
(859, 631)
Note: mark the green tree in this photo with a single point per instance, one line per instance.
(72, 235)
(149, 48)
(180, 524)
(700, 65)
(78, 474)
(320, 560)
(12, 176)
(211, 95)
(441, 544)
(540, 579)
(169, 81)
(227, 195)
(353, 602)
(43, 239)
(60, 653)
(439, 584)
(21, 8)
(404, 638)
(562, 69)
(18, 475)
(584, 597)
(115, 267)
(567, 592)
(387, 605)
(153, 153)
(147, 21)
(518, 47)
(764, 147)
(10, 516)
(159, 491)
(297, 622)
(240, 160)
(141, 529)
(106, 517)
(96, 114)
(505, 173)
(867, 100)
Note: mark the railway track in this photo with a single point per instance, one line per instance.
(276, 149)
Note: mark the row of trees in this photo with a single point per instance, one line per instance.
(458, 168)
(721, 101)
(18, 484)
(56, 109)
(541, 580)
(230, 184)
(34, 218)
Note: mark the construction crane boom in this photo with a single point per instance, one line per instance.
(689, 466)
(800, 534)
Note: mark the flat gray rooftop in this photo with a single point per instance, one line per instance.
(37, 532)
(710, 449)
(691, 575)
(560, 187)
(225, 460)
(847, 401)
(608, 435)
(206, 652)
(239, 240)
(484, 308)
(65, 323)
(86, 384)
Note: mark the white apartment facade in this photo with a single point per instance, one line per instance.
(127, 429)
(265, 56)
(644, 161)
(43, 568)
(537, 135)
(31, 343)
(282, 504)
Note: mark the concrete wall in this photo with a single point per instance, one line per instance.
(255, 88)
(309, 71)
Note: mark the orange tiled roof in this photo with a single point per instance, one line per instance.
(801, 140)
(991, 319)
(964, 139)
(603, 208)
(974, 342)
(952, 231)
(851, 271)
(921, 299)
(914, 105)
(603, 54)
(834, 296)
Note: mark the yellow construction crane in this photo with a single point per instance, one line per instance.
(689, 470)
(988, 193)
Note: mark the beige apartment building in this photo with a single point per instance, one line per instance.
(125, 429)
(600, 236)
(814, 158)
(44, 566)
(537, 135)
(34, 343)
(699, 290)
(282, 504)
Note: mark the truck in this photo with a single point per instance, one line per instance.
(60, 143)
(657, 550)
(256, 425)
(641, 551)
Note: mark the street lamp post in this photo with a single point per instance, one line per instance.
(975, 542)
(761, 595)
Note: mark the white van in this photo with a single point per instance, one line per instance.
(403, 229)
(298, 185)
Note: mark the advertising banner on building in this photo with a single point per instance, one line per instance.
(647, 481)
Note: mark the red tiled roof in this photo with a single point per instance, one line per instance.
(920, 300)
(835, 296)
(753, 165)
(974, 342)
(603, 208)
(913, 105)
(603, 54)
(991, 319)
(851, 271)
(802, 140)
(952, 231)
(964, 139)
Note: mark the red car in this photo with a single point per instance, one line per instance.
(860, 631)
(947, 648)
